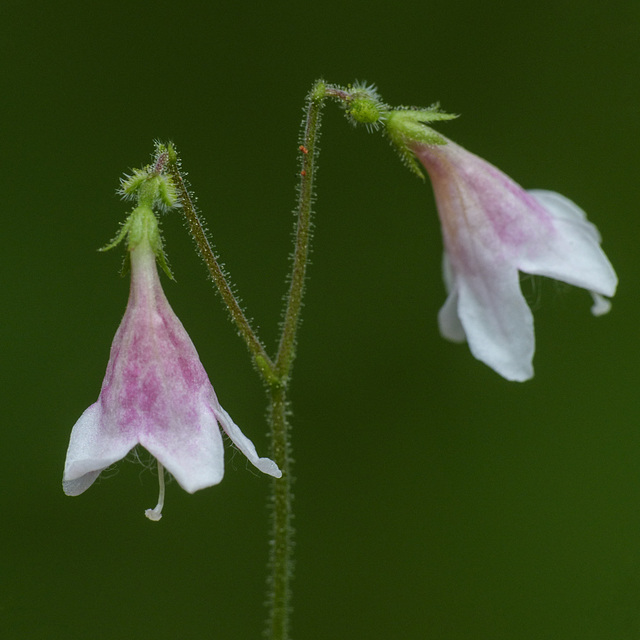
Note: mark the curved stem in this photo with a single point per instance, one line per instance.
(308, 148)
(281, 553)
(217, 273)
(275, 373)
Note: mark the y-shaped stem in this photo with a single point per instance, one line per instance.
(275, 373)
(281, 551)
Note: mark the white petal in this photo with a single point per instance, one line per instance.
(92, 448)
(448, 320)
(572, 253)
(81, 484)
(498, 322)
(190, 448)
(245, 445)
(562, 207)
(600, 305)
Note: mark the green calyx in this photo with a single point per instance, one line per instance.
(150, 187)
(365, 111)
(407, 127)
(363, 105)
(153, 190)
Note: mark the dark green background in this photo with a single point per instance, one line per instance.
(434, 499)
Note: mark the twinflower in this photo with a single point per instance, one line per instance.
(492, 230)
(156, 392)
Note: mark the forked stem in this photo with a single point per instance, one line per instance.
(275, 373)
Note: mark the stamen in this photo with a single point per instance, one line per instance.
(156, 513)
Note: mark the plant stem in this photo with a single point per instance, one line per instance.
(308, 148)
(281, 553)
(281, 550)
(275, 373)
(217, 273)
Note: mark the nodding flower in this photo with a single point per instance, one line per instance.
(156, 392)
(492, 230)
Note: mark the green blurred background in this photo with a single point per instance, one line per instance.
(433, 498)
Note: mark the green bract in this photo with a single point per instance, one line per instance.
(408, 126)
(153, 190)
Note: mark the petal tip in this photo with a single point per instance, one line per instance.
(601, 305)
(76, 486)
(268, 466)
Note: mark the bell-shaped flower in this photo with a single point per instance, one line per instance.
(492, 230)
(155, 393)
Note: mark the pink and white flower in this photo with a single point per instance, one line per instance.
(493, 229)
(156, 394)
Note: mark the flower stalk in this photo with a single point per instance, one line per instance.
(199, 235)
(362, 105)
(282, 532)
(308, 149)
(276, 372)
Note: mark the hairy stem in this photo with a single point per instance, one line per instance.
(281, 551)
(199, 235)
(309, 150)
(275, 373)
